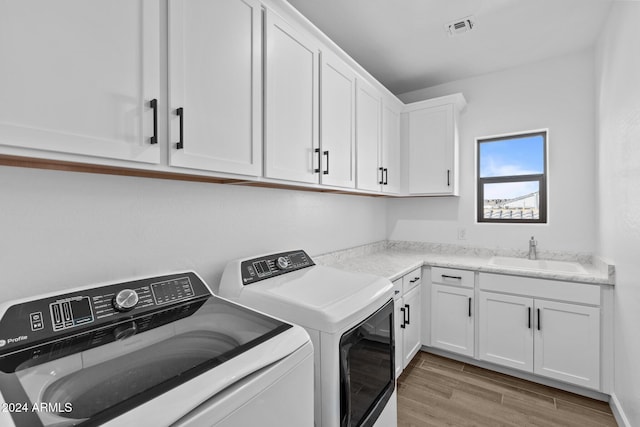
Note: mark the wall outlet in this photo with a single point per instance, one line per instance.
(462, 233)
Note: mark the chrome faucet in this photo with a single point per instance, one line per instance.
(532, 248)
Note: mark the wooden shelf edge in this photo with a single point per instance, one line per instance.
(61, 165)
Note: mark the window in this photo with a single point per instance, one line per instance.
(512, 178)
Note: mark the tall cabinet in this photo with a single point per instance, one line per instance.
(215, 85)
(80, 78)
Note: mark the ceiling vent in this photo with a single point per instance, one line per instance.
(461, 26)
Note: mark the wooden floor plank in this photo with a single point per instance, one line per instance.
(436, 391)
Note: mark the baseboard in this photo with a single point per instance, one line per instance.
(593, 394)
(618, 413)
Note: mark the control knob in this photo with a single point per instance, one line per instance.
(282, 263)
(125, 300)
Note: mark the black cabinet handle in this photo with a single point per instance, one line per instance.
(154, 105)
(403, 324)
(539, 325)
(408, 314)
(180, 113)
(381, 176)
(386, 176)
(444, 276)
(469, 306)
(529, 317)
(317, 151)
(448, 177)
(326, 172)
(414, 280)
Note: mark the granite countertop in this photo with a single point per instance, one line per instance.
(393, 260)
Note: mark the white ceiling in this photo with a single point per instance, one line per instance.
(403, 43)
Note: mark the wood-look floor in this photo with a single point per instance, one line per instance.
(436, 391)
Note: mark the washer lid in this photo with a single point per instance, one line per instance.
(319, 297)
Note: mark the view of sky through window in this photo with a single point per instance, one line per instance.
(511, 157)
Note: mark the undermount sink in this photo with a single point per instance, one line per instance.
(537, 264)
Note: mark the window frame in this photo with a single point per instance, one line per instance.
(540, 178)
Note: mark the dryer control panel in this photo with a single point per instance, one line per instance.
(32, 322)
(269, 266)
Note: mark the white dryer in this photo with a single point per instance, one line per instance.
(349, 317)
(158, 351)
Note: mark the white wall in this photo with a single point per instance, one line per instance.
(61, 229)
(618, 148)
(555, 94)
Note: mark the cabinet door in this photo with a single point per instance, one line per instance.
(398, 330)
(567, 342)
(452, 322)
(411, 342)
(215, 76)
(78, 77)
(431, 150)
(291, 102)
(391, 149)
(337, 122)
(368, 112)
(506, 330)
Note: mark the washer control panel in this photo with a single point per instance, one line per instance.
(33, 322)
(269, 266)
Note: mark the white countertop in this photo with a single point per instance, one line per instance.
(394, 263)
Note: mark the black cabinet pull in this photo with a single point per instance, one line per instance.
(408, 314)
(402, 310)
(448, 177)
(444, 276)
(317, 151)
(539, 325)
(154, 105)
(469, 306)
(381, 176)
(529, 317)
(180, 113)
(326, 172)
(414, 280)
(386, 176)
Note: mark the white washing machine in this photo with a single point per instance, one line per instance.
(349, 317)
(160, 351)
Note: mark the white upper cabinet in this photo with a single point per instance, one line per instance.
(378, 141)
(79, 77)
(433, 145)
(215, 85)
(368, 136)
(291, 102)
(337, 122)
(391, 180)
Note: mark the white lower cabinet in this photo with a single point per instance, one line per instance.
(452, 310)
(452, 319)
(407, 318)
(506, 331)
(559, 340)
(567, 343)
(411, 335)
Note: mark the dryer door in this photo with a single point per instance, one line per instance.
(367, 369)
